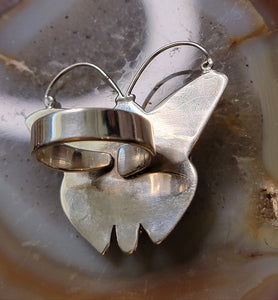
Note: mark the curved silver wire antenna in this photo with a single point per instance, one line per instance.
(49, 101)
(205, 66)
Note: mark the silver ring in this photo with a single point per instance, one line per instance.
(53, 137)
(58, 136)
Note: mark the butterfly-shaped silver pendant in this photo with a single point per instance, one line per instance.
(134, 188)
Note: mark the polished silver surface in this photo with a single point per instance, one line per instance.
(56, 132)
(51, 132)
(157, 199)
(132, 160)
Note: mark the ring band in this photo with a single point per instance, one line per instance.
(54, 137)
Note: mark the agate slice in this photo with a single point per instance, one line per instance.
(232, 221)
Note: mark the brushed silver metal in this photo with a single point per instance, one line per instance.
(158, 143)
(158, 198)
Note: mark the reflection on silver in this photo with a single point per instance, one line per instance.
(158, 198)
(55, 132)
(80, 140)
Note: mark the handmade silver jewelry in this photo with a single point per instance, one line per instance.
(146, 176)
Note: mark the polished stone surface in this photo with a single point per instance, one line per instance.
(232, 222)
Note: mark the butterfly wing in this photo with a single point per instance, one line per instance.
(178, 121)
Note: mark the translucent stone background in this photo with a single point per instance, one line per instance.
(226, 245)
